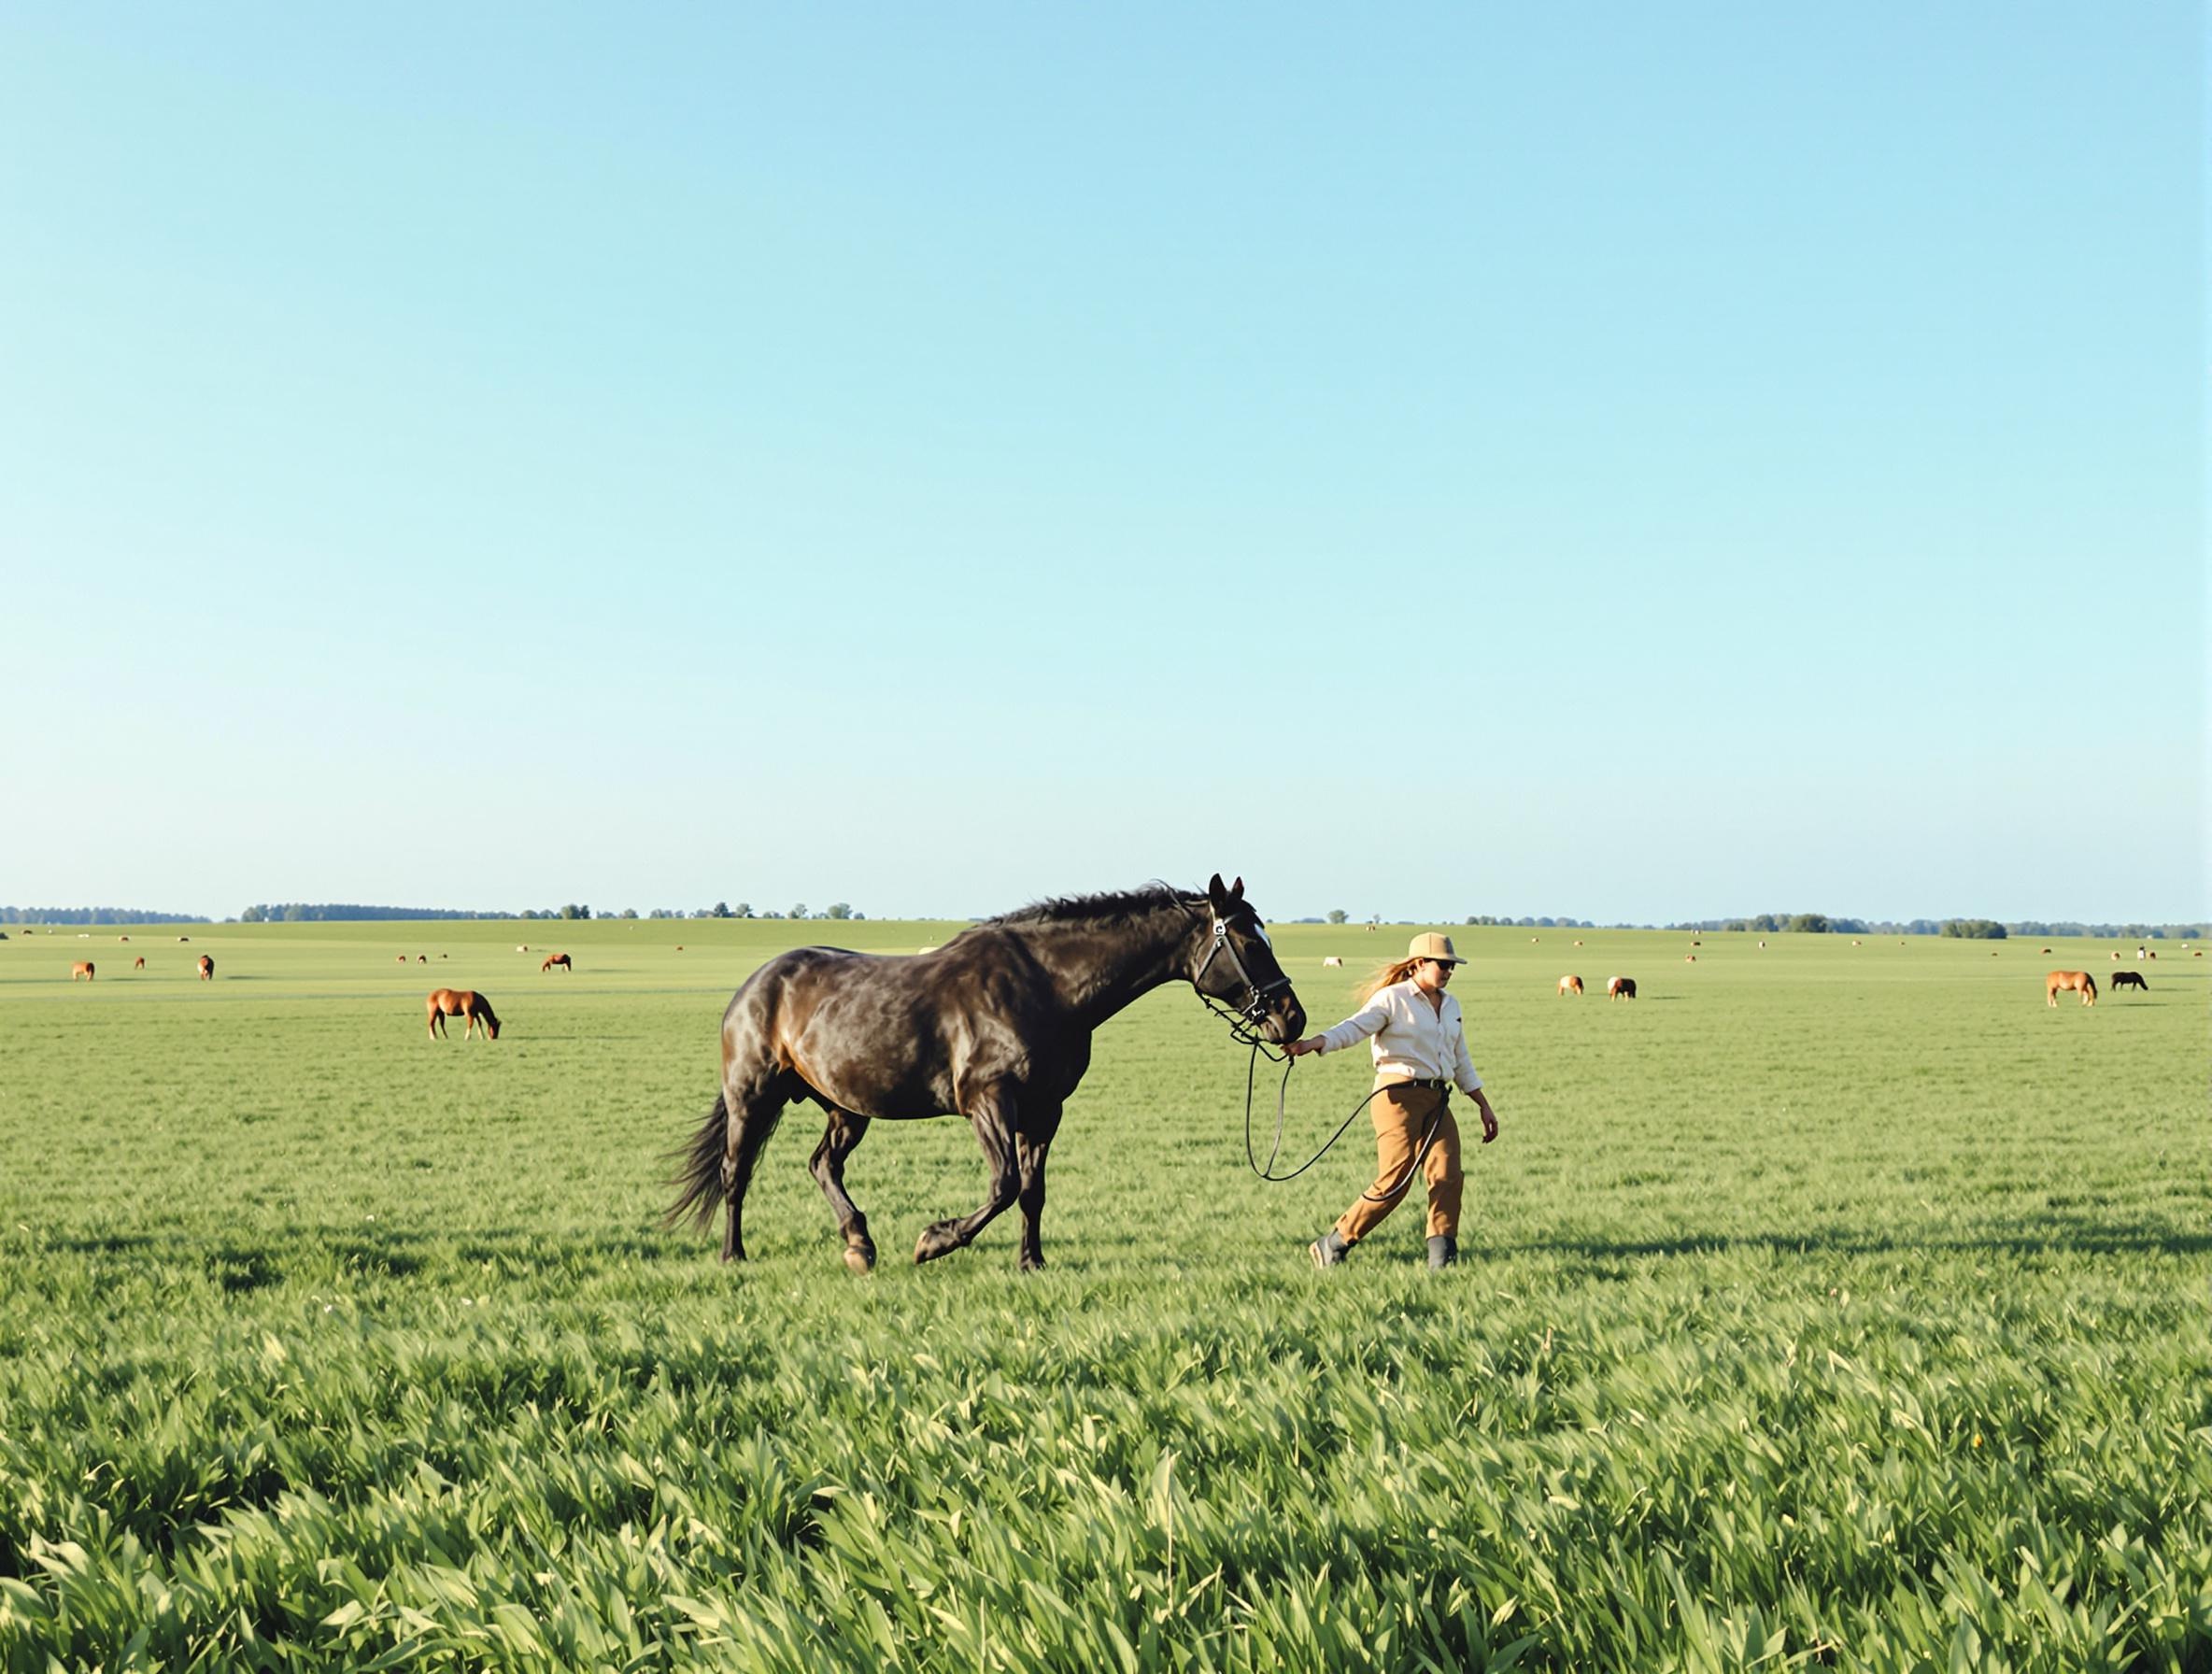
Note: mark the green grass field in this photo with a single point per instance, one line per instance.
(1829, 1304)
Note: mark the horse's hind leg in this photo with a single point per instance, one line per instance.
(845, 1130)
(753, 1115)
(993, 1119)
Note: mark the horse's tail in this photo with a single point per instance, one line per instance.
(701, 1177)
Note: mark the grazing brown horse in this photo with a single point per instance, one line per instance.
(141, 964)
(82, 967)
(555, 958)
(465, 1003)
(422, 959)
(2129, 979)
(206, 968)
(1621, 988)
(2067, 982)
(1571, 984)
(996, 1025)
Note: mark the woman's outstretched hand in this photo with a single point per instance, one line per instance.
(1300, 1048)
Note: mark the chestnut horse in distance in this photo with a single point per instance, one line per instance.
(2069, 981)
(557, 959)
(465, 1003)
(82, 967)
(206, 968)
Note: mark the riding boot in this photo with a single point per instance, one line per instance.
(1443, 1250)
(1329, 1249)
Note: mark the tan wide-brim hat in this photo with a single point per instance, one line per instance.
(1429, 945)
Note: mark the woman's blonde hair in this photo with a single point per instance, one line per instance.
(1383, 977)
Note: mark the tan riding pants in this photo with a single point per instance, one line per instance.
(1401, 1113)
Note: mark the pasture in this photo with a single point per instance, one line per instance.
(1827, 1305)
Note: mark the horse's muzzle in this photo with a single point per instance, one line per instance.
(1285, 1019)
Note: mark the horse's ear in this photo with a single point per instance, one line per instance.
(1216, 893)
(1237, 889)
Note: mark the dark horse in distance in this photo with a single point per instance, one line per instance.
(995, 1025)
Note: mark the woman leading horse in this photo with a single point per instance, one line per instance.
(1419, 1043)
(996, 1025)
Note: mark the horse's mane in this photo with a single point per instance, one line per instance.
(1112, 906)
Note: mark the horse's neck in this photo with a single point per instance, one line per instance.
(1100, 970)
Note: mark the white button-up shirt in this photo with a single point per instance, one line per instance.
(1412, 1038)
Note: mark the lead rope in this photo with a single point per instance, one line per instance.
(1428, 1135)
(1243, 1026)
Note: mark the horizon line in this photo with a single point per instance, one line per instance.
(1498, 920)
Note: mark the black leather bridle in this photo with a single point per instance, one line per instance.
(1245, 1020)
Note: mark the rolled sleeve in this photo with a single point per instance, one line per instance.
(1358, 1027)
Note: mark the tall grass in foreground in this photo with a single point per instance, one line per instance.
(1832, 1305)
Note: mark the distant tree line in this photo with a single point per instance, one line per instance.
(1822, 923)
(1762, 923)
(2133, 933)
(1813, 923)
(722, 909)
(302, 911)
(1531, 923)
(95, 915)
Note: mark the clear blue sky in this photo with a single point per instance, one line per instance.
(1626, 461)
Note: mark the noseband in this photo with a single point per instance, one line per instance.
(1245, 1020)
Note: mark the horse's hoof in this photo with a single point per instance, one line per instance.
(1032, 1264)
(860, 1258)
(935, 1241)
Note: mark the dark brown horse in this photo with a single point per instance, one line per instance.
(555, 958)
(2069, 981)
(2129, 979)
(1621, 988)
(465, 1003)
(141, 964)
(206, 968)
(996, 1025)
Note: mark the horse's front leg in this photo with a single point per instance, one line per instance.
(844, 1132)
(993, 1118)
(1031, 1148)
